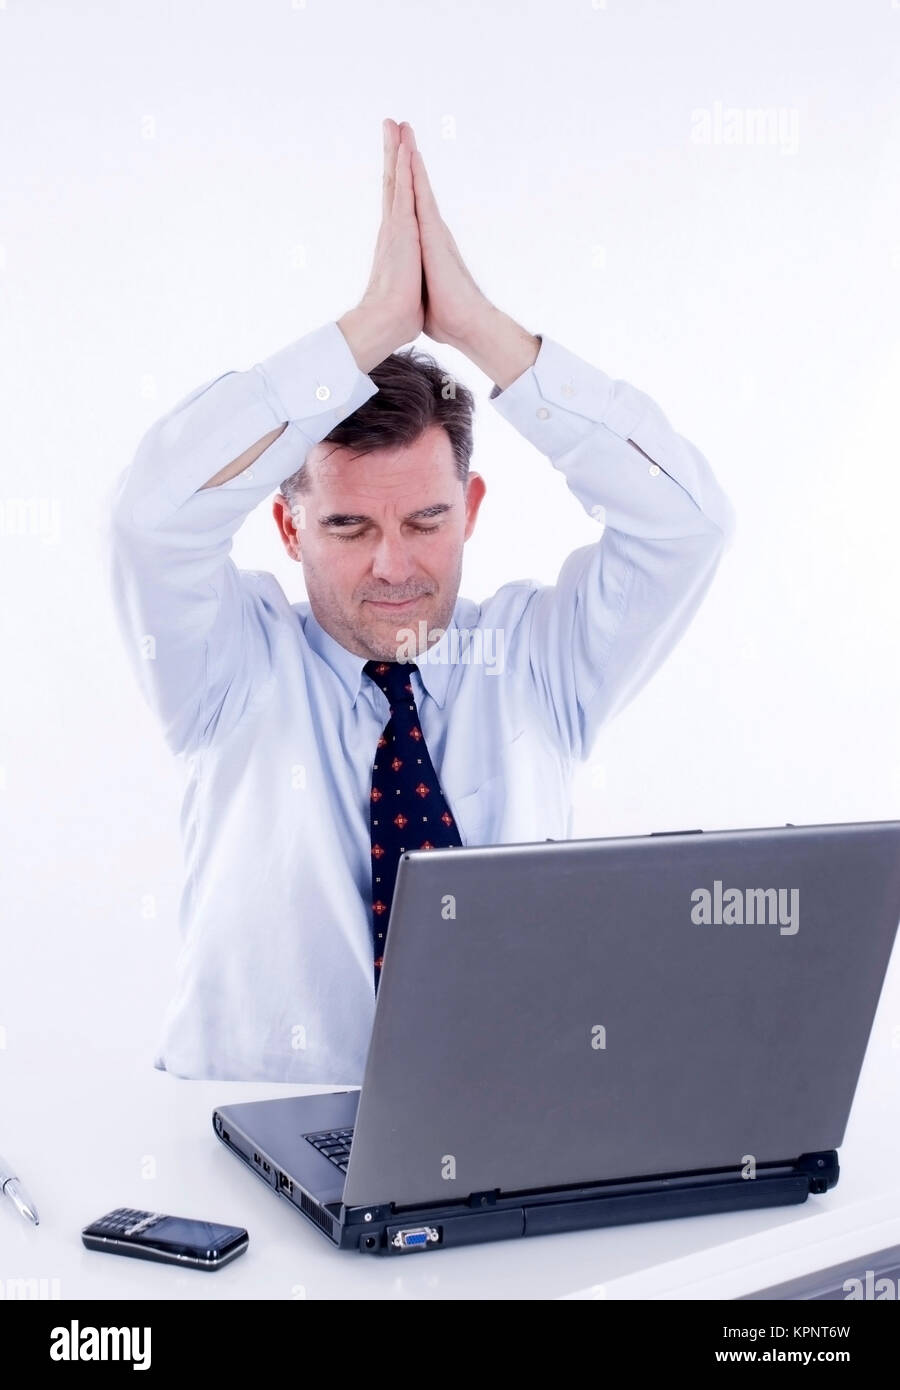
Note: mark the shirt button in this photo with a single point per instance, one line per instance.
(322, 393)
(543, 413)
(568, 389)
(653, 470)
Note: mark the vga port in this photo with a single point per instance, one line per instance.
(415, 1238)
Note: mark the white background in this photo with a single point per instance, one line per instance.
(189, 187)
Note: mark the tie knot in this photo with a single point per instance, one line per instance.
(393, 678)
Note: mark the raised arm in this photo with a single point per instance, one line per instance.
(592, 640)
(192, 623)
(586, 645)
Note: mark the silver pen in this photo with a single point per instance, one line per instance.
(10, 1185)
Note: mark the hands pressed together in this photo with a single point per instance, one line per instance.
(420, 283)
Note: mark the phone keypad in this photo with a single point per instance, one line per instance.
(126, 1221)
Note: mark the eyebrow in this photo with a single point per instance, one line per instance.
(335, 519)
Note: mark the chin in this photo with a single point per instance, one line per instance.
(389, 633)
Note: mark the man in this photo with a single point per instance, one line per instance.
(323, 738)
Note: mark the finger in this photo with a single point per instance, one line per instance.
(404, 199)
(426, 206)
(391, 139)
(407, 130)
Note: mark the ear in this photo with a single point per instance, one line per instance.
(290, 525)
(476, 487)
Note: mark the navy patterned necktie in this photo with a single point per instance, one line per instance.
(407, 809)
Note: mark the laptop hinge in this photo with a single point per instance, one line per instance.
(483, 1199)
(821, 1167)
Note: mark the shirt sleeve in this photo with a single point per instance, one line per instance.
(586, 645)
(194, 625)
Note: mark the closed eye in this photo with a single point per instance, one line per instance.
(355, 535)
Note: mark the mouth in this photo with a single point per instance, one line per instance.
(393, 607)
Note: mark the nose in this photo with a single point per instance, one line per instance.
(391, 562)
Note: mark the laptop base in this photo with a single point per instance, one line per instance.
(388, 1229)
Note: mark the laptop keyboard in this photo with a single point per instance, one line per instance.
(334, 1144)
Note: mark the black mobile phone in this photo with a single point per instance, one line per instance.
(177, 1240)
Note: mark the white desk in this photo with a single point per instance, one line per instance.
(84, 1126)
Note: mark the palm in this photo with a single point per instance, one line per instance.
(451, 300)
(430, 322)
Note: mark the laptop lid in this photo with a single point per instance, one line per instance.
(586, 1010)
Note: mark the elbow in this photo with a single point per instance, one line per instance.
(117, 525)
(137, 503)
(116, 518)
(135, 506)
(725, 521)
(118, 506)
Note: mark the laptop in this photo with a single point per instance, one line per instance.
(584, 1033)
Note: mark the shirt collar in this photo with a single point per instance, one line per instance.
(434, 664)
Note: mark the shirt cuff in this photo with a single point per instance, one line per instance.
(663, 487)
(561, 399)
(316, 381)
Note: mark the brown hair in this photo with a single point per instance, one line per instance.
(414, 392)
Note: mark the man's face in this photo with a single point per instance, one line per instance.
(380, 539)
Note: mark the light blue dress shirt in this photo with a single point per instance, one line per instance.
(276, 724)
